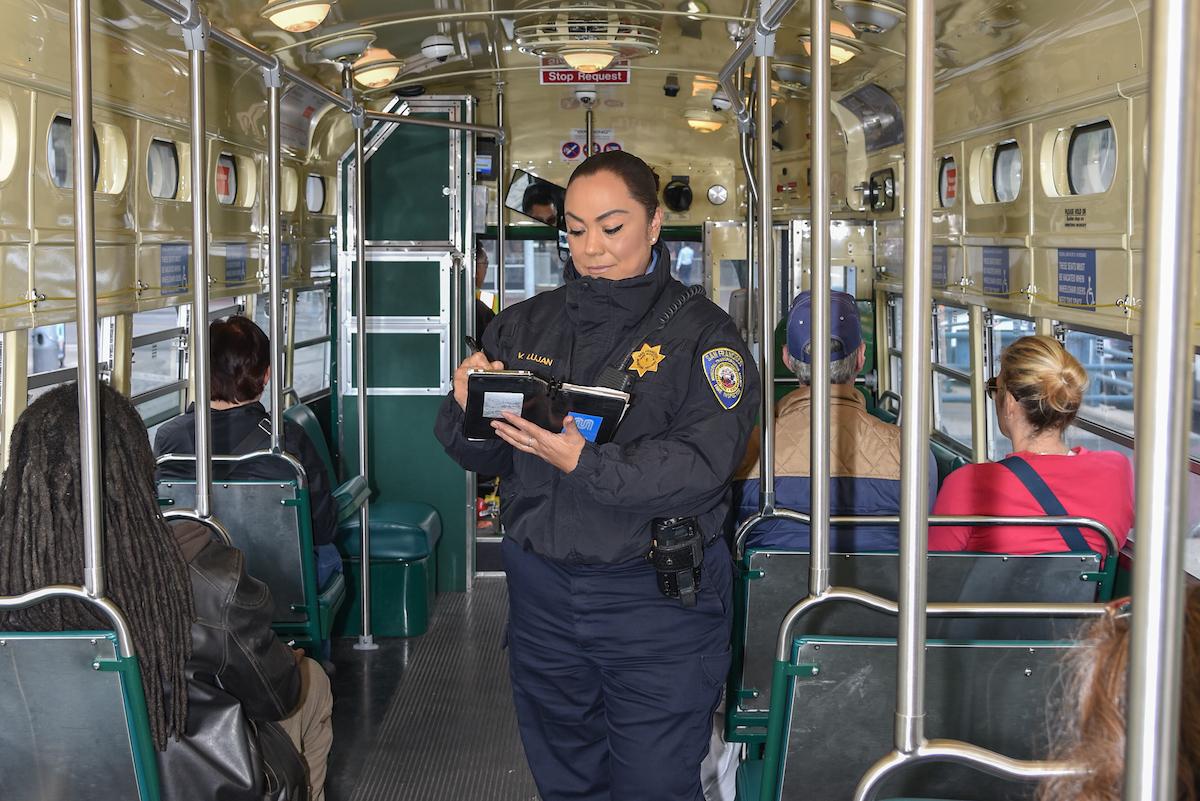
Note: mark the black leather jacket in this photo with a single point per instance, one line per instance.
(241, 678)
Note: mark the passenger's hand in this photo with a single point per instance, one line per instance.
(561, 450)
(476, 361)
(298, 655)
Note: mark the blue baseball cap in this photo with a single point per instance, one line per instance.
(845, 333)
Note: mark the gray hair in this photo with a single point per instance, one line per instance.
(841, 371)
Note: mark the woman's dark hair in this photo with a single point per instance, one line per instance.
(240, 356)
(639, 179)
(41, 542)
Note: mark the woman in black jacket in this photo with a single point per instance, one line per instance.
(614, 682)
(217, 679)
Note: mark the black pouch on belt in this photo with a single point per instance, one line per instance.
(677, 551)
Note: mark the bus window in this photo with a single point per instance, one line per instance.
(894, 337)
(952, 373)
(1006, 172)
(310, 376)
(1092, 158)
(158, 374)
(162, 169)
(60, 155)
(314, 194)
(226, 179)
(1004, 332)
(1108, 402)
(531, 266)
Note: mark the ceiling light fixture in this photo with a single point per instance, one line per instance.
(841, 49)
(871, 16)
(692, 8)
(703, 120)
(296, 16)
(376, 67)
(342, 42)
(588, 59)
(792, 69)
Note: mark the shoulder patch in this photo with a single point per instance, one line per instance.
(726, 375)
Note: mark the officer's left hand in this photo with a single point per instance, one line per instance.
(561, 450)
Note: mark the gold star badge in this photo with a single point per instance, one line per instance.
(647, 359)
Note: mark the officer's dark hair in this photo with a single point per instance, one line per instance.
(41, 542)
(241, 354)
(539, 193)
(639, 179)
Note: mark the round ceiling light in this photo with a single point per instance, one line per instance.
(342, 42)
(567, 28)
(793, 69)
(871, 16)
(703, 120)
(588, 59)
(296, 16)
(841, 49)
(376, 67)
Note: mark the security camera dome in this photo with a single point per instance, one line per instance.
(439, 46)
(721, 101)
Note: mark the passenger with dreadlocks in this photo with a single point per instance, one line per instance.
(215, 675)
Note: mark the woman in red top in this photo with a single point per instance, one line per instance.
(1037, 394)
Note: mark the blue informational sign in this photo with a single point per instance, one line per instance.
(173, 268)
(941, 270)
(285, 257)
(236, 255)
(995, 271)
(1077, 278)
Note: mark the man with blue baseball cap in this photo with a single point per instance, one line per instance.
(864, 462)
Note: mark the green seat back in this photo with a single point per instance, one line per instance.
(304, 417)
(74, 720)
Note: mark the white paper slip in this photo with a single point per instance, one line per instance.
(495, 404)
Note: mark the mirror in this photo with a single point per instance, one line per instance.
(537, 199)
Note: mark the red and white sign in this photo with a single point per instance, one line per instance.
(563, 76)
(951, 175)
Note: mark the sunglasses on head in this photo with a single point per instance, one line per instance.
(992, 387)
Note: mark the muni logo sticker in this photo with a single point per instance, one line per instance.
(588, 425)
(726, 375)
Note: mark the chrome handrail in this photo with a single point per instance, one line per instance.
(105, 606)
(301, 474)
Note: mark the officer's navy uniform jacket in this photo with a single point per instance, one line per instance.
(676, 449)
(614, 683)
(864, 474)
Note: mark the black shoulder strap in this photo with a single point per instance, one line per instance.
(617, 363)
(252, 441)
(1042, 493)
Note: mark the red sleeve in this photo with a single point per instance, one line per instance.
(953, 499)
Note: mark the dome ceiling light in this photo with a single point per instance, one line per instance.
(342, 42)
(588, 39)
(297, 16)
(842, 44)
(793, 69)
(376, 67)
(871, 16)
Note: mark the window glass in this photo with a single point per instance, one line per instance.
(161, 358)
(312, 314)
(952, 338)
(311, 373)
(289, 189)
(1092, 158)
(162, 169)
(9, 138)
(952, 408)
(314, 194)
(1005, 331)
(1006, 171)
(948, 182)
(687, 262)
(531, 266)
(226, 179)
(1109, 364)
(52, 347)
(320, 259)
(60, 155)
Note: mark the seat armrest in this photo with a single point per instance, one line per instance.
(350, 496)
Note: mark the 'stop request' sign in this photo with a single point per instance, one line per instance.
(566, 75)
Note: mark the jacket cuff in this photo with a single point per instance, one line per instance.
(588, 466)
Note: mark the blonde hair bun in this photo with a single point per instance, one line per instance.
(1045, 379)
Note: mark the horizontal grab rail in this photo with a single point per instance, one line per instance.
(983, 521)
(104, 605)
(212, 523)
(301, 474)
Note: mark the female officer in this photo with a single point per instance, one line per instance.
(614, 682)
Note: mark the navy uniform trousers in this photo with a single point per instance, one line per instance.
(614, 684)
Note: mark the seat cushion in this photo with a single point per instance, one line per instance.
(399, 530)
(749, 780)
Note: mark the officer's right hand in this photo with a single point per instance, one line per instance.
(476, 361)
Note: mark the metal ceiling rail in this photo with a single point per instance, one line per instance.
(385, 116)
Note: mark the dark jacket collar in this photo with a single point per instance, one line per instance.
(254, 409)
(624, 301)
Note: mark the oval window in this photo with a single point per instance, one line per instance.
(60, 156)
(1092, 158)
(226, 179)
(289, 189)
(8, 138)
(948, 182)
(1006, 172)
(314, 194)
(162, 169)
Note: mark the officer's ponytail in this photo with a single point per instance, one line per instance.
(639, 179)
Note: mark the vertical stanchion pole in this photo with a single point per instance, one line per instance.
(978, 345)
(745, 143)
(1162, 408)
(501, 192)
(366, 640)
(195, 39)
(914, 435)
(589, 133)
(273, 79)
(85, 297)
(764, 48)
(819, 357)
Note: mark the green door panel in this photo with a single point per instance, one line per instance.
(408, 361)
(402, 289)
(405, 183)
